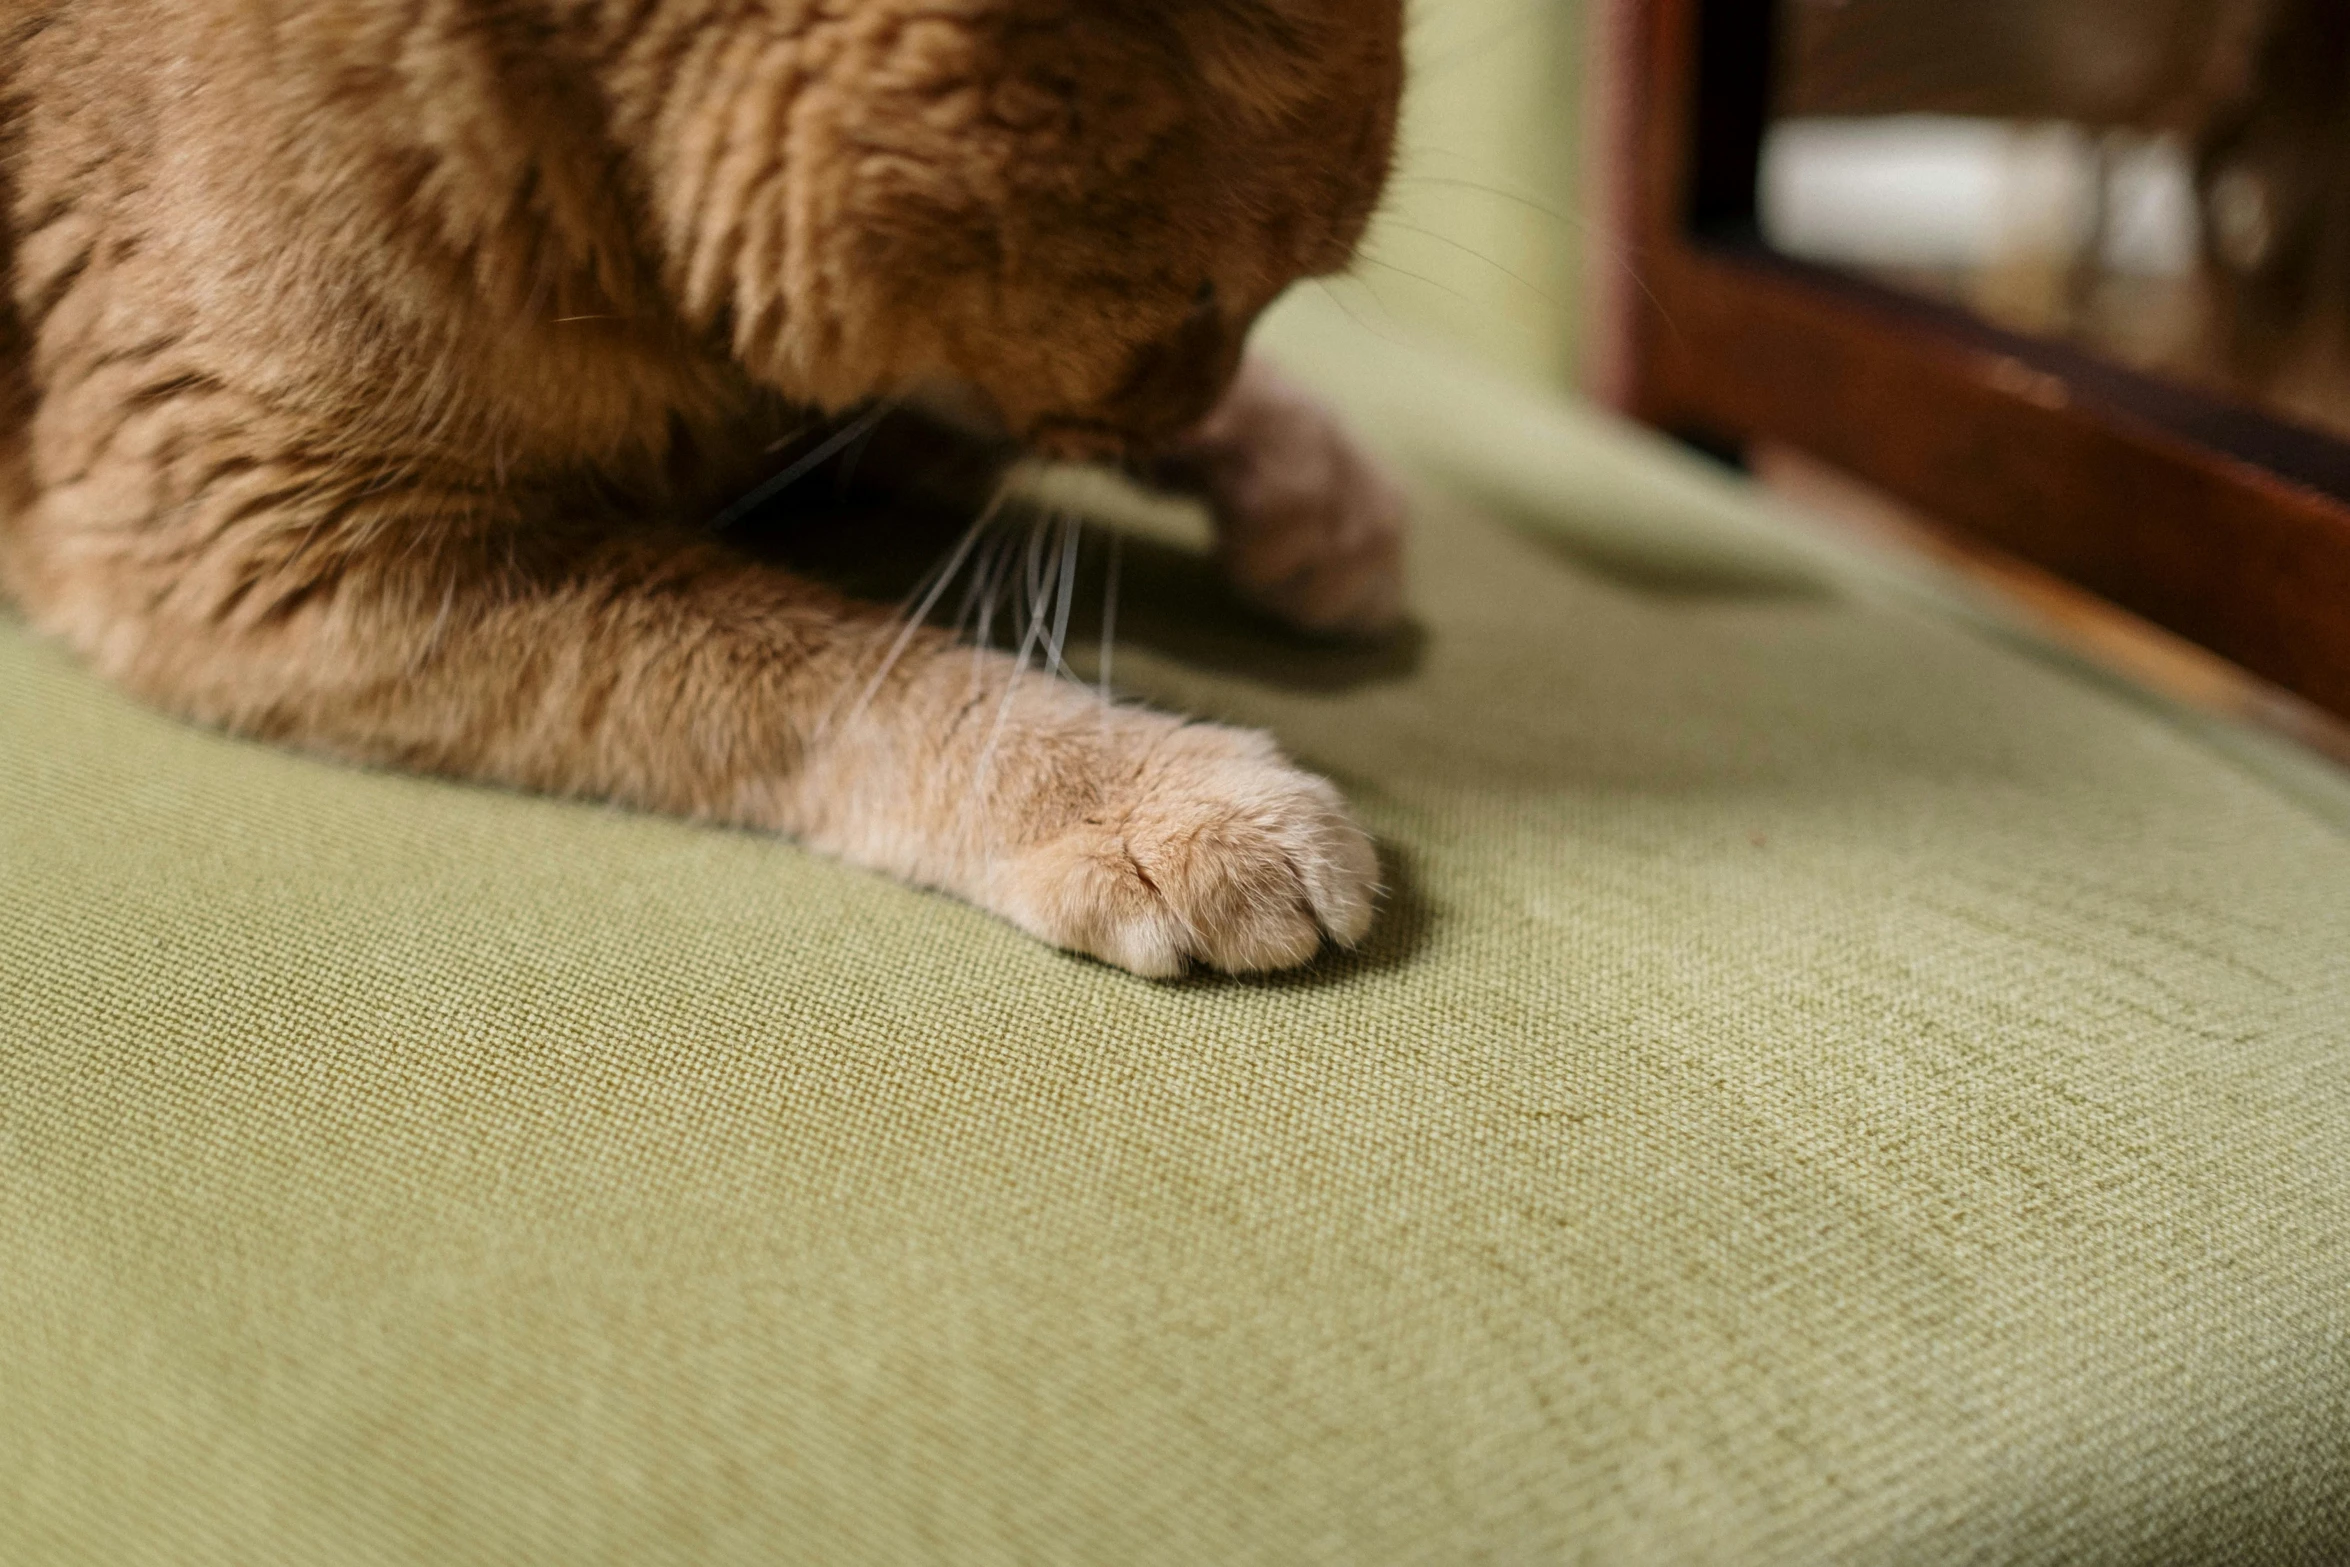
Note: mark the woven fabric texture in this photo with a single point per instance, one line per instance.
(1830, 1085)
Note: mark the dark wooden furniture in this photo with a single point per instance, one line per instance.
(2210, 518)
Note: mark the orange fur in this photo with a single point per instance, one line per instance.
(373, 366)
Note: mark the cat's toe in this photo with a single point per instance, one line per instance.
(1224, 854)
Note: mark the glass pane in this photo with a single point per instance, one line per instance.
(2166, 182)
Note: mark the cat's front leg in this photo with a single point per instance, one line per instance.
(1309, 526)
(661, 670)
(1136, 837)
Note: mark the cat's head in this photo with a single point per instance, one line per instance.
(1075, 208)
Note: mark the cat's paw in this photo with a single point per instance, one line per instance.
(1310, 527)
(1316, 539)
(1216, 851)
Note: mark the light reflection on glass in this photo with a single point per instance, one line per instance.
(2166, 182)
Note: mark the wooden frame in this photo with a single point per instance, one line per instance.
(2211, 519)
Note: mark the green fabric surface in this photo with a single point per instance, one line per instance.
(1833, 1084)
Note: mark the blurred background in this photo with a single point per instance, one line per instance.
(2161, 181)
(1484, 238)
(2158, 181)
(2057, 291)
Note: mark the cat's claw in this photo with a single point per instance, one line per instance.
(1219, 852)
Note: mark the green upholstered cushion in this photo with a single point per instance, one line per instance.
(1834, 1083)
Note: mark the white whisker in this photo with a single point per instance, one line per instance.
(1034, 575)
(759, 495)
(990, 596)
(1029, 637)
(982, 569)
(918, 612)
(1394, 222)
(1068, 581)
(1109, 613)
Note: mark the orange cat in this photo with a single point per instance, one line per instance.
(375, 368)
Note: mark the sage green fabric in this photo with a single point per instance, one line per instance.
(1833, 1084)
